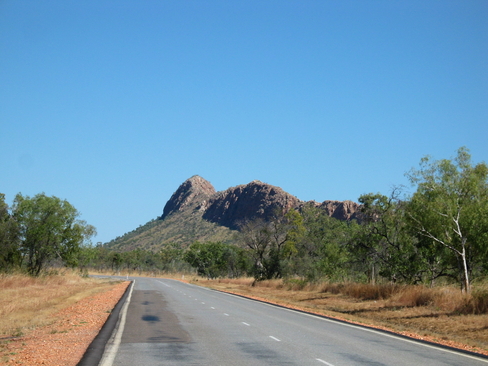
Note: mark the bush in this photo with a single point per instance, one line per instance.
(295, 284)
(476, 303)
(411, 296)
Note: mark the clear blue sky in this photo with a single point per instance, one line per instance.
(113, 104)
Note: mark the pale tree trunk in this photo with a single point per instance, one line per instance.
(462, 253)
(464, 273)
(466, 283)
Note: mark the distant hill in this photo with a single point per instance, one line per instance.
(196, 211)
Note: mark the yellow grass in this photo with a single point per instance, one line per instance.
(27, 302)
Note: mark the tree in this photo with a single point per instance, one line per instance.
(49, 229)
(171, 257)
(322, 250)
(255, 236)
(271, 243)
(450, 208)
(9, 238)
(214, 259)
(385, 240)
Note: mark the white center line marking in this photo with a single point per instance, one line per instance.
(226, 314)
(276, 339)
(203, 303)
(325, 363)
(212, 307)
(246, 324)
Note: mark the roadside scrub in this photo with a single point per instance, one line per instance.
(27, 302)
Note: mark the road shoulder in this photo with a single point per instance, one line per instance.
(65, 341)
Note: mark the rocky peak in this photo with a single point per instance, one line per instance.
(249, 201)
(245, 202)
(342, 210)
(191, 193)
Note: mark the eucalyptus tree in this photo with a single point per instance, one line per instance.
(255, 237)
(322, 250)
(9, 238)
(450, 208)
(215, 259)
(385, 241)
(272, 244)
(49, 229)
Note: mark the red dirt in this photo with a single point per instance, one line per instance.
(64, 342)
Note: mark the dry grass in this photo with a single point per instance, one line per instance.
(442, 314)
(27, 302)
(185, 277)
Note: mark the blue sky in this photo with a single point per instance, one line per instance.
(113, 104)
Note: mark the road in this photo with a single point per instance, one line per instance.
(169, 322)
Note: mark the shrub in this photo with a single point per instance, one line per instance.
(295, 284)
(415, 296)
(476, 303)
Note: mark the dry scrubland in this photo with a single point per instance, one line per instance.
(51, 320)
(442, 314)
(27, 302)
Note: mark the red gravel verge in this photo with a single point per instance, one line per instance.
(64, 342)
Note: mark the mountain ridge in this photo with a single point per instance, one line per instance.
(246, 202)
(197, 212)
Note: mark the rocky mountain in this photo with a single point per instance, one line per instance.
(194, 191)
(341, 210)
(196, 211)
(245, 202)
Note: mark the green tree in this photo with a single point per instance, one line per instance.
(9, 238)
(49, 229)
(255, 237)
(385, 240)
(116, 261)
(322, 251)
(171, 258)
(272, 244)
(450, 208)
(213, 259)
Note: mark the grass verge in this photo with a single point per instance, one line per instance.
(27, 302)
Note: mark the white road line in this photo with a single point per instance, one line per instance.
(276, 339)
(366, 329)
(325, 363)
(226, 314)
(113, 347)
(212, 307)
(164, 283)
(246, 324)
(362, 328)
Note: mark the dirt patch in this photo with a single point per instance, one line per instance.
(64, 341)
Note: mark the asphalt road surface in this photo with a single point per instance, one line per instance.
(168, 322)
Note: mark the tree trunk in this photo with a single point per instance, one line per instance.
(465, 277)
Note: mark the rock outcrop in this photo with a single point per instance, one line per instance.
(245, 202)
(341, 210)
(191, 193)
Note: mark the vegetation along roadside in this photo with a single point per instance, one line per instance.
(414, 262)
